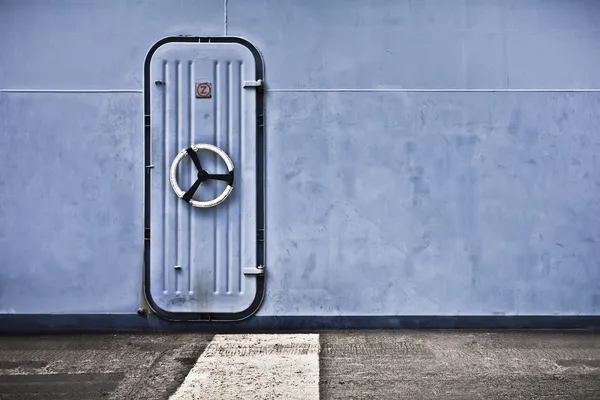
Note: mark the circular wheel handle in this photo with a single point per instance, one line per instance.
(203, 175)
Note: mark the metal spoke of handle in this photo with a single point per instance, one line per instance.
(222, 177)
(187, 196)
(194, 156)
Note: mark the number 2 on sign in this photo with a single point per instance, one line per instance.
(203, 90)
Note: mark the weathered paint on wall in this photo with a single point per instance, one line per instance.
(383, 201)
(71, 237)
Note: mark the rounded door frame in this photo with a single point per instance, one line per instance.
(260, 177)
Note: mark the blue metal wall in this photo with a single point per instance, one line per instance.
(423, 157)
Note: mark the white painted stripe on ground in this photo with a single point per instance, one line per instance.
(255, 367)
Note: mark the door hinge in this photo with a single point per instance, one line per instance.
(260, 270)
(257, 84)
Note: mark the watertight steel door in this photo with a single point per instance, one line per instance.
(204, 179)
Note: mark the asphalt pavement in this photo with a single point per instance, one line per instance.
(331, 365)
(460, 365)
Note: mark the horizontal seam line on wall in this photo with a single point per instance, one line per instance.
(349, 90)
(440, 90)
(71, 90)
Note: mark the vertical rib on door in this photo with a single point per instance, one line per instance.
(197, 255)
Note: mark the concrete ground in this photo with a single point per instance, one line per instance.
(337, 365)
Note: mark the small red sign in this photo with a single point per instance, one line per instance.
(203, 90)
